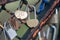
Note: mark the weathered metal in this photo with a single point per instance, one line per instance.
(43, 21)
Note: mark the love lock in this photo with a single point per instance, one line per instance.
(32, 22)
(21, 14)
(54, 18)
(11, 33)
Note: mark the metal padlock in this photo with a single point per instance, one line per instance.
(11, 33)
(32, 22)
(49, 33)
(21, 14)
(54, 18)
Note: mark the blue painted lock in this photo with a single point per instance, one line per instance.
(41, 6)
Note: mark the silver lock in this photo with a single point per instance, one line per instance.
(11, 33)
(54, 18)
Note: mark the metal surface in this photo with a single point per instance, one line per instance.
(54, 18)
(54, 35)
(44, 19)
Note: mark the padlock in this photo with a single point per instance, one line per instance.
(21, 14)
(32, 22)
(54, 18)
(11, 33)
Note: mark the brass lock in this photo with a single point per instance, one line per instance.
(32, 22)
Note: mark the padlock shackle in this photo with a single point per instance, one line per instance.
(34, 12)
(19, 6)
(39, 34)
(54, 27)
(44, 34)
(47, 35)
(56, 11)
(5, 27)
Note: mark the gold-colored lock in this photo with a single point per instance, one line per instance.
(32, 22)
